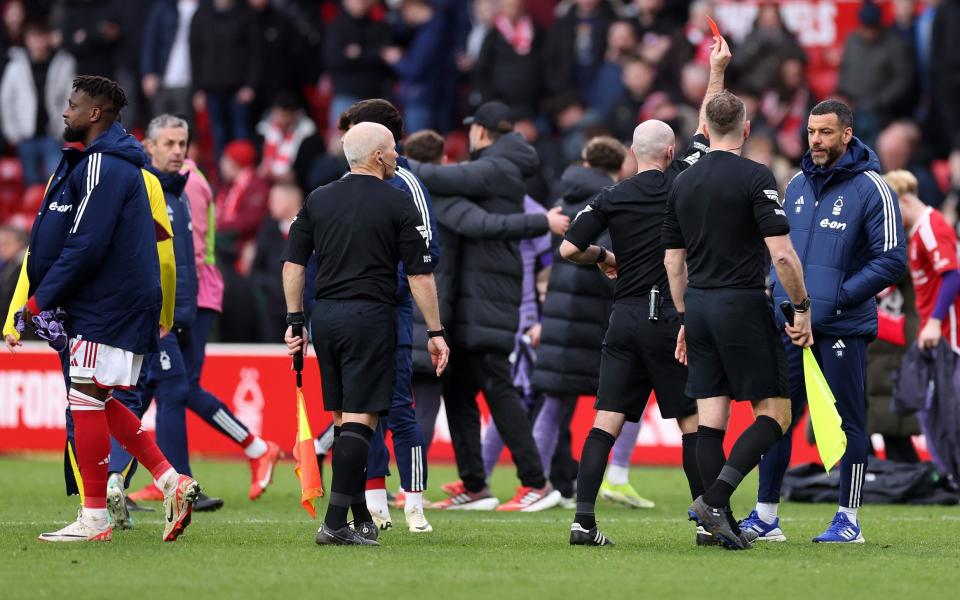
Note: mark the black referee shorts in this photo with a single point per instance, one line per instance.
(733, 345)
(355, 342)
(638, 357)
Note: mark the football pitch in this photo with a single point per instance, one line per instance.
(265, 549)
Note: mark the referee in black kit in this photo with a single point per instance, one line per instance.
(638, 349)
(360, 228)
(723, 214)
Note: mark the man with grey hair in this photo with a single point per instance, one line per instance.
(360, 228)
(167, 374)
(637, 355)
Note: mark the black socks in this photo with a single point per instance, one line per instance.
(710, 456)
(690, 468)
(593, 463)
(745, 455)
(349, 474)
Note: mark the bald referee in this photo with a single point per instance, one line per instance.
(723, 215)
(360, 227)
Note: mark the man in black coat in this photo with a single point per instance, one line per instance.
(486, 314)
(575, 312)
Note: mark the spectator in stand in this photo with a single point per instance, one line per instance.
(131, 17)
(285, 201)
(282, 52)
(639, 77)
(33, 91)
(875, 74)
(576, 46)
(417, 67)
(165, 58)
(14, 18)
(291, 144)
(483, 14)
(354, 57)
(13, 249)
(509, 68)
(91, 34)
(784, 107)
(608, 85)
(652, 21)
(761, 148)
(898, 147)
(242, 200)
(225, 55)
(768, 45)
(945, 75)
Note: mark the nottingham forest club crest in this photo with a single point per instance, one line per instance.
(837, 206)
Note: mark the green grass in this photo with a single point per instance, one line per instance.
(266, 549)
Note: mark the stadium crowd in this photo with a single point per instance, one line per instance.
(263, 82)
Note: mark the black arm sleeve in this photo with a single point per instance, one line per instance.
(470, 220)
(299, 245)
(697, 149)
(670, 233)
(767, 205)
(588, 224)
(414, 249)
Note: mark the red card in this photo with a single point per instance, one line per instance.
(713, 27)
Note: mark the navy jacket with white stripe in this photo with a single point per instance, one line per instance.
(846, 228)
(93, 247)
(404, 180)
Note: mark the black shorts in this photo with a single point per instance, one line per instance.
(638, 357)
(733, 345)
(355, 342)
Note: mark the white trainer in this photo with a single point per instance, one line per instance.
(417, 521)
(81, 530)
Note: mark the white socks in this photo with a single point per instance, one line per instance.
(167, 481)
(377, 503)
(768, 511)
(850, 512)
(96, 517)
(618, 475)
(413, 501)
(256, 449)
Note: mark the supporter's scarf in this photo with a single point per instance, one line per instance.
(519, 34)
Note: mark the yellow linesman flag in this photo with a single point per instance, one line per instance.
(307, 469)
(831, 441)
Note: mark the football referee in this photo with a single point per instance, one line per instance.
(360, 227)
(638, 348)
(723, 214)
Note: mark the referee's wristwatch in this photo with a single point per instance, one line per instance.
(432, 333)
(602, 255)
(804, 305)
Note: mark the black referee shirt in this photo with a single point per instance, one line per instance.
(633, 210)
(360, 227)
(720, 210)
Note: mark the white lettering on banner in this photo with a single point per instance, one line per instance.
(32, 399)
(657, 431)
(248, 400)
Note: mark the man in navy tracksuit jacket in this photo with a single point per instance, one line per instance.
(845, 225)
(94, 254)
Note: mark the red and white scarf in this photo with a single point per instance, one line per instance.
(519, 34)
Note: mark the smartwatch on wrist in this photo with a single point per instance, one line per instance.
(295, 318)
(436, 332)
(602, 256)
(804, 305)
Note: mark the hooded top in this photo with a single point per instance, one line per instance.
(93, 246)
(178, 211)
(846, 228)
(486, 309)
(577, 307)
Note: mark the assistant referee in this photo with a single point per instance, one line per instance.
(360, 227)
(723, 215)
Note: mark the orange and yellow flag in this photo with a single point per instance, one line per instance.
(307, 469)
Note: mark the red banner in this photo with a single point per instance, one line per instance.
(257, 384)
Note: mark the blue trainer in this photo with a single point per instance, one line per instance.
(841, 531)
(756, 529)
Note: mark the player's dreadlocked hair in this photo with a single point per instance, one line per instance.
(101, 87)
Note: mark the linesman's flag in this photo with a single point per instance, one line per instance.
(831, 441)
(307, 469)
